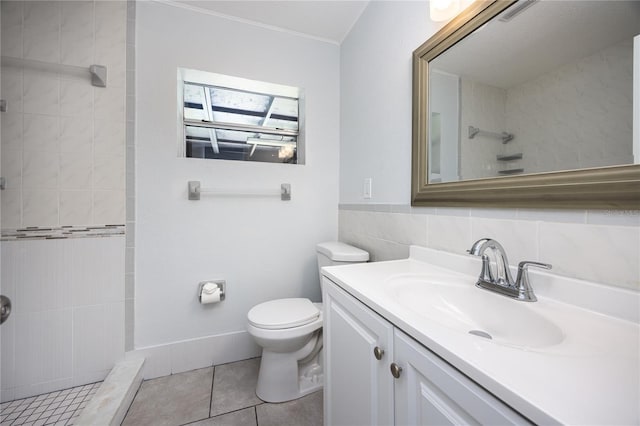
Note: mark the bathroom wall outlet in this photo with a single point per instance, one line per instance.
(366, 191)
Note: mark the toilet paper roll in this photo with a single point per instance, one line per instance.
(210, 293)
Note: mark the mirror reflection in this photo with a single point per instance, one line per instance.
(545, 86)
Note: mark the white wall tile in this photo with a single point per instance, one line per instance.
(76, 135)
(41, 93)
(108, 172)
(549, 215)
(93, 280)
(98, 332)
(518, 237)
(109, 138)
(12, 134)
(48, 286)
(109, 103)
(76, 208)
(108, 207)
(44, 346)
(7, 353)
(40, 170)
(614, 217)
(12, 28)
(129, 323)
(12, 168)
(450, 233)
(39, 207)
(76, 171)
(606, 254)
(12, 81)
(76, 98)
(41, 38)
(11, 208)
(77, 33)
(41, 133)
(110, 41)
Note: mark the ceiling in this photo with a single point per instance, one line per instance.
(543, 37)
(323, 19)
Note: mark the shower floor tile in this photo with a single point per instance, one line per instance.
(54, 408)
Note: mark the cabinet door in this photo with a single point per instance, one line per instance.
(431, 392)
(358, 387)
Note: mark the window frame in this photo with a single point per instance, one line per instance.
(204, 78)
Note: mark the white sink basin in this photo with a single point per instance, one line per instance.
(457, 303)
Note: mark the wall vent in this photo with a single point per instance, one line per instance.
(517, 9)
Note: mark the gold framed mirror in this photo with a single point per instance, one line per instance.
(608, 187)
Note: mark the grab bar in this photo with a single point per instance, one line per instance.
(194, 190)
(504, 136)
(98, 73)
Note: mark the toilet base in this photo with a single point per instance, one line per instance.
(283, 379)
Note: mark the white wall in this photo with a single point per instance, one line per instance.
(264, 248)
(376, 141)
(375, 99)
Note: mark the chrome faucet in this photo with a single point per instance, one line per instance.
(502, 282)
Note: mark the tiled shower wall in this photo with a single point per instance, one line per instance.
(63, 140)
(67, 323)
(63, 155)
(600, 246)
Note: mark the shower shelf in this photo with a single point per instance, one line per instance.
(510, 171)
(509, 157)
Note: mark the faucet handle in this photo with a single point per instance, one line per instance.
(525, 264)
(522, 280)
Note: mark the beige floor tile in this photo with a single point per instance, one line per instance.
(234, 386)
(172, 400)
(305, 411)
(246, 417)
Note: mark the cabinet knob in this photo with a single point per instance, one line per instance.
(396, 370)
(378, 353)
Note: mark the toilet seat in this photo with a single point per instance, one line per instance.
(283, 314)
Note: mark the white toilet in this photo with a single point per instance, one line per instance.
(290, 333)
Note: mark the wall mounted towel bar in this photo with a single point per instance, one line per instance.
(98, 73)
(504, 136)
(195, 190)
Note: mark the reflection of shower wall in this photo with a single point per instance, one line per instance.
(573, 117)
(483, 106)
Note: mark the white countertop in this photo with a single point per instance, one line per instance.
(591, 377)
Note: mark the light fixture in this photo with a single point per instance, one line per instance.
(443, 10)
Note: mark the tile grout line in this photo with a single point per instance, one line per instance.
(213, 378)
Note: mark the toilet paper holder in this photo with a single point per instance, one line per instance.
(221, 284)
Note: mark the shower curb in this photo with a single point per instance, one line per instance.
(110, 404)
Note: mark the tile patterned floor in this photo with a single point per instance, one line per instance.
(55, 408)
(216, 396)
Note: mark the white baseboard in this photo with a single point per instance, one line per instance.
(185, 355)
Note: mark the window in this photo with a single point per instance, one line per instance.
(230, 118)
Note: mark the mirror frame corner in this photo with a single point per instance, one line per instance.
(614, 187)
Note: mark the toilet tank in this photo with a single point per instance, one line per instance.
(336, 253)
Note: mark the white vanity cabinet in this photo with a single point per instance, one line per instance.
(358, 386)
(361, 390)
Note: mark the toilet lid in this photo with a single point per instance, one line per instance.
(283, 313)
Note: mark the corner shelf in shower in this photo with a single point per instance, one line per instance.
(509, 157)
(510, 171)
